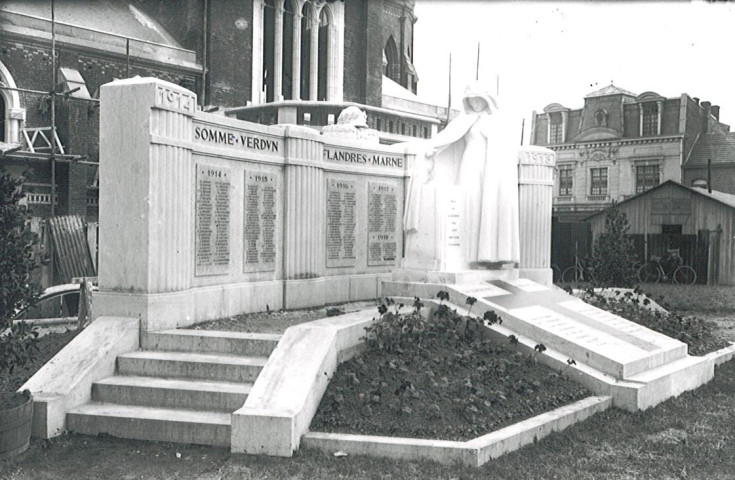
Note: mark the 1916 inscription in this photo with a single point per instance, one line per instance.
(341, 223)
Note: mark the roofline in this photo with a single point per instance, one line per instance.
(660, 185)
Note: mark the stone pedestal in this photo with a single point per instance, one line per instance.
(535, 193)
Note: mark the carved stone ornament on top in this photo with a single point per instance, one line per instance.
(599, 154)
(351, 124)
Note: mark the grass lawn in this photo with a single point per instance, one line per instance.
(694, 298)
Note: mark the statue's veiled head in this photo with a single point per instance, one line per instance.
(477, 99)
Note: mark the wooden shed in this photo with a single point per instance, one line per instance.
(698, 223)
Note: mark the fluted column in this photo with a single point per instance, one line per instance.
(304, 211)
(535, 193)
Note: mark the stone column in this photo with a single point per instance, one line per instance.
(640, 119)
(314, 57)
(535, 193)
(296, 62)
(146, 191)
(278, 55)
(659, 113)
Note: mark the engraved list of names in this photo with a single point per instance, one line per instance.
(382, 216)
(260, 221)
(212, 222)
(341, 222)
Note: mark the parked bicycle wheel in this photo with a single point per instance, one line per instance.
(556, 273)
(571, 275)
(685, 275)
(648, 273)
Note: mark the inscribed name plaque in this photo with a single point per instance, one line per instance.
(259, 225)
(212, 222)
(382, 216)
(341, 223)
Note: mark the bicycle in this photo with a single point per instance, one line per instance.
(581, 271)
(653, 271)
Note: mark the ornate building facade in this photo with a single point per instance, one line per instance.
(619, 144)
(267, 61)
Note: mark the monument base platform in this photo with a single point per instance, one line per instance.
(609, 354)
(453, 277)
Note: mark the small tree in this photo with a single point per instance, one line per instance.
(17, 288)
(613, 258)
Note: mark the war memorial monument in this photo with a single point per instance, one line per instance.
(207, 217)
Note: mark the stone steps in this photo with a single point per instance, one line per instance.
(206, 341)
(182, 387)
(218, 367)
(149, 423)
(171, 393)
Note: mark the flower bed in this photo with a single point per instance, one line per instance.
(439, 378)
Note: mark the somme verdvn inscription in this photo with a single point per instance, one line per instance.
(382, 218)
(260, 221)
(212, 222)
(341, 223)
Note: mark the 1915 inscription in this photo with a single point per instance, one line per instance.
(212, 222)
(259, 224)
(341, 223)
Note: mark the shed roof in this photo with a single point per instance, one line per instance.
(719, 147)
(720, 197)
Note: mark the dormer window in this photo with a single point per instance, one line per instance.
(601, 118)
(556, 129)
(650, 118)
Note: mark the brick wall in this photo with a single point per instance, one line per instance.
(230, 56)
(723, 177)
(356, 50)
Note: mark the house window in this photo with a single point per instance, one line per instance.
(566, 180)
(650, 119)
(598, 181)
(646, 176)
(556, 132)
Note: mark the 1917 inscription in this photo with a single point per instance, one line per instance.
(382, 217)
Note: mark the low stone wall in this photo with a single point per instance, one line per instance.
(66, 380)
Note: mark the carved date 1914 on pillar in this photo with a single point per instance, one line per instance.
(177, 101)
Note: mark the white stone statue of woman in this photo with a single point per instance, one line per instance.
(476, 153)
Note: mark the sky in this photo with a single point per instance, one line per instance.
(538, 53)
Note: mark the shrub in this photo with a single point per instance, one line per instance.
(17, 288)
(613, 258)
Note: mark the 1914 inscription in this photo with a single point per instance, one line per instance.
(341, 223)
(259, 224)
(212, 222)
(382, 216)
